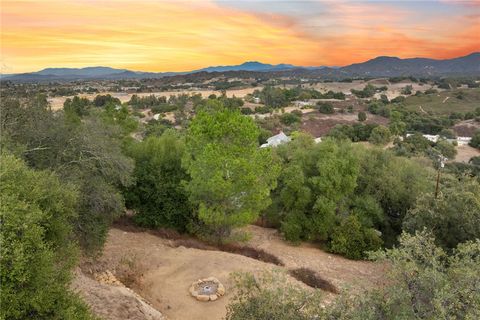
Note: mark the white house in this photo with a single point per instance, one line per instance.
(276, 140)
(461, 141)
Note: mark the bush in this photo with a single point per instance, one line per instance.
(422, 283)
(475, 142)
(289, 118)
(381, 135)
(398, 99)
(246, 111)
(157, 195)
(407, 90)
(353, 240)
(362, 116)
(263, 110)
(325, 107)
(104, 100)
(446, 148)
(450, 217)
(271, 296)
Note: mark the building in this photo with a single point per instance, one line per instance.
(276, 140)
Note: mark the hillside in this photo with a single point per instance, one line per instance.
(378, 67)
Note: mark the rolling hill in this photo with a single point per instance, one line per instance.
(378, 67)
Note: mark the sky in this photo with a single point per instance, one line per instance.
(149, 35)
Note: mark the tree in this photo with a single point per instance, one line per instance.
(423, 282)
(362, 116)
(450, 217)
(87, 154)
(395, 182)
(407, 90)
(325, 107)
(315, 181)
(231, 177)
(475, 142)
(289, 118)
(446, 148)
(380, 135)
(77, 105)
(37, 251)
(397, 127)
(158, 195)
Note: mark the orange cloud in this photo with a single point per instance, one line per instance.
(177, 36)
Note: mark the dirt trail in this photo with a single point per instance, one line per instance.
(164, 273)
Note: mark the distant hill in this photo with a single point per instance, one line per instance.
(377, 67)
(249, 66)
(393, 66)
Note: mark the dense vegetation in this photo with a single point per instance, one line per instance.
(67, 175)
(423, 282)
(36, 244)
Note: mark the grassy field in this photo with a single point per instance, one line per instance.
(445, 102)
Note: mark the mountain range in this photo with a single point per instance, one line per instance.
(378, 67)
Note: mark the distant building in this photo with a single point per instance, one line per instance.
(461, 141)
(256, 99)
(318, 140)
(300, 104)
(276, 140)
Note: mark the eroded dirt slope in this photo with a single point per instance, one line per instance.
(162, 273)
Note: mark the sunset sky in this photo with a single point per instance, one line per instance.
(148, 35)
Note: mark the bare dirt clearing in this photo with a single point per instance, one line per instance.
(162, 273)
(318, 124)
(465, 153)
(57, 102)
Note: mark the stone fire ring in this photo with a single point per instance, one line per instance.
(208, 289)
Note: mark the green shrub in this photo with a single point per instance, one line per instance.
(475, 142)
(325, 107)
(37, 251)
(380, 135)
(289, 118)
(270, 296)
(451, 216)
(353, 240)
(246, 111)
(157, 195)
(362, 116)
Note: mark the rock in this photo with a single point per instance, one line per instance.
(213, 297)
(221, 290)
(193, 291)
(202, 297)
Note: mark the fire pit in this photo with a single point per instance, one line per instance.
(209, 289)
